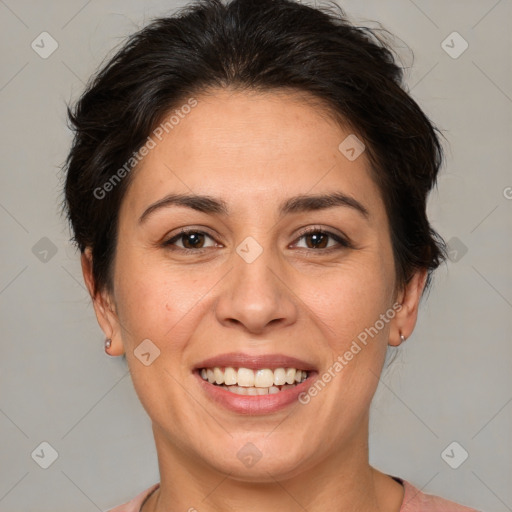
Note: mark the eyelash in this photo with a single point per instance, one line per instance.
(343, 242)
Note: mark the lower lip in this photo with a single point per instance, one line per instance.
(255, 404)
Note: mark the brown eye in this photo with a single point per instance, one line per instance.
(190, 240)
(319, 239)
(193, 240)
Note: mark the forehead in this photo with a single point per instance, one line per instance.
(243, 145)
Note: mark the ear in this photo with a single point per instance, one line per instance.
(409, 297)
(104, 306)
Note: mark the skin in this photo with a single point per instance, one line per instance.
(254, 151)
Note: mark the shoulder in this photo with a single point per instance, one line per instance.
(417, 501)
(134, 504)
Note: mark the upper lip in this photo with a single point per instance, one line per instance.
(255, 362)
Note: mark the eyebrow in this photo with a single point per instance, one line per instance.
(296, 204)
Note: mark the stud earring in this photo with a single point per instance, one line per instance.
(402, 337)
(108, 342)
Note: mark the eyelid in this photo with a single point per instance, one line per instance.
(341, 239)
(185, 231)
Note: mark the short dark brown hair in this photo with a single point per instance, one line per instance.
(260, 45)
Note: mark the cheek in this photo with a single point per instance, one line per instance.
(164, 307)
(159, 302)
(350, 297)
(356, 336)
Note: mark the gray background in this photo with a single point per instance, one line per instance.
(451, 381)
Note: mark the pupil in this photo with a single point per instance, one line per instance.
(318, 238)
(194, 237)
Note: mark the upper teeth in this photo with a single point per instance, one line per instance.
(246, 377)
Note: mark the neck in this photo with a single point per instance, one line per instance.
(342, 481)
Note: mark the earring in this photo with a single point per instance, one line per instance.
(402, 337)
(108, 342)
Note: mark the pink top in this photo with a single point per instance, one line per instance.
(414, 501)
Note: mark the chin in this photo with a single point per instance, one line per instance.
(259, 460)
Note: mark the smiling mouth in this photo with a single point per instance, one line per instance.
(246, 381)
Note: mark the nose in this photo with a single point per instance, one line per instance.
(256, 296)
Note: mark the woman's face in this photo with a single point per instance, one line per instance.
(251, 284)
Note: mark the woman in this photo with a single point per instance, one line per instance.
(248, 186)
